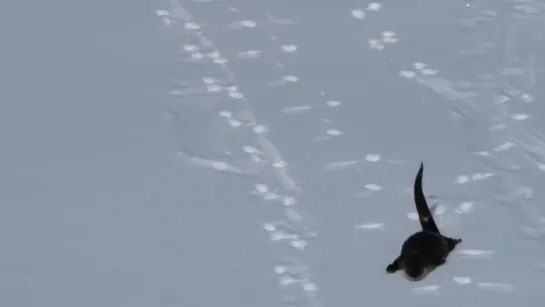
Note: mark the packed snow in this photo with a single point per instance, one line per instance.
(262, 153)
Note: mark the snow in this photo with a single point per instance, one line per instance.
(262, 153)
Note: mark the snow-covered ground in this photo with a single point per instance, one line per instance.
(262, 153)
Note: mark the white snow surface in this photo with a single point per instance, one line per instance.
(262, 153)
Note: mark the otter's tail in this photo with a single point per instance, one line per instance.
(424, 214)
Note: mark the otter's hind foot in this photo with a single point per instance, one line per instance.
(453, 242)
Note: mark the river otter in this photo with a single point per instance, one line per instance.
(425, 250)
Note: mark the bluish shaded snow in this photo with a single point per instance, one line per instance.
(262, 153)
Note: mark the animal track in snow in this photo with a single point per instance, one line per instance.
(483, 153)
(462, 280)
(195, 54)
(374, 6)
(358, 14)
(334, 132)
(461, 179)
(371, 226)
(370, 188)
(355, 164)
(387, 37)
(419, 67)
(429, 289)
(496, 287)
(242, 24)
(372, 158)
(286, 79)
(262, 190)
(504, 147)
(475, 253)
(286, 231)
(361, 14)
(290, 48)
(465, 207)
(488, 286)
(306, 108)
(254, 54)
(249, 54)
(217, 165)
(520, 116)
(262, 155)
(296, 109)
(459, 98)
(373, 187)
(342, 165)
(329, 132)
(292, 271)
(436, 212)
(294, 240)
(333, 103)
(294, 230)
(280, 21)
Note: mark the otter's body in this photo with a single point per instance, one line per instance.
(425, 250)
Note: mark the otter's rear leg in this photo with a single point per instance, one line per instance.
(394, 266)
(452, 243)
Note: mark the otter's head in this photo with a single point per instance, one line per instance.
(415, 268)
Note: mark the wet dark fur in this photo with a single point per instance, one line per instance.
(425, 250)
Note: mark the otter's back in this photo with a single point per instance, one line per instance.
(425, 242)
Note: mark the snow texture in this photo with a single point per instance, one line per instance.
(262, 153)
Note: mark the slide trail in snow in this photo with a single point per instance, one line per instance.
(230, 119)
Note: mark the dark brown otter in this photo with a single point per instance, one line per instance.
(425, 250)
